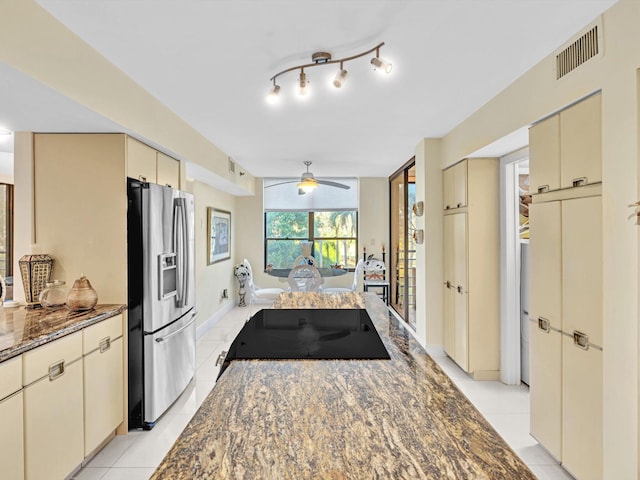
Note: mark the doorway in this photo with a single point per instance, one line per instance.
(402, 196)
(514, 266)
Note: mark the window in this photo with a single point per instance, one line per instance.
(333, 234)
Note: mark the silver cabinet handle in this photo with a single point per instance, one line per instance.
(459, 204)
(105, 344)
(447, 284)
(447, 207)
(581, 340)
(142, 177)
(544, 324)
(459, 288)
(221, 357)
(579, 182)
(543, 188)
(56, 370)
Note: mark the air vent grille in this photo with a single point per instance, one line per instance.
(232, 166)
(584, 48)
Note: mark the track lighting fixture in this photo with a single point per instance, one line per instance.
(324, 58)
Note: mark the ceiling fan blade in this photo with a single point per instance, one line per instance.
(333, 184)
(282, 183)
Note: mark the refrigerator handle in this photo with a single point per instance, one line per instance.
(182, 253)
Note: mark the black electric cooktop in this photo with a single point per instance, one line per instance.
(303, 334)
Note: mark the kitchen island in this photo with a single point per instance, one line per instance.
(340, 419)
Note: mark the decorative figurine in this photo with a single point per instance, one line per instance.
(242, 274)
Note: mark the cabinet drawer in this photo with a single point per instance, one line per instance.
(36, 363)
(10, 376)
(92, 336)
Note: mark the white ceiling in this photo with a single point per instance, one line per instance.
(210, 62)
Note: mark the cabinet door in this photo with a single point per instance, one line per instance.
(545, 387)
(459, 227)
(168, 170)
(11, 437)
(581, 411)
(448, 189)
(53, 425)
(581, 143)
(544, 155)
(460, 184)
(103, 394)
(545, 250)
(448, 287)
(582, 267)
(141, 161)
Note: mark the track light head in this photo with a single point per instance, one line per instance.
(341, 77)
(303, 90)
(381, 64)
(273, 98)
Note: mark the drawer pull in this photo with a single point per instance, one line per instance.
(459, 288)
(142, 177)
(544, 324)
(447, 284)
(459, 205)
(221, 357)
(56, 370)
(581, 340)
(543, 188)
(579, 182)
(447, 207)
(105, 344)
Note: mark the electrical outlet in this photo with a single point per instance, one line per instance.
(225, 293)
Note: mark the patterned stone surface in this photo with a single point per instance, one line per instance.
(22, 329)
(319, 300)
(341, 419)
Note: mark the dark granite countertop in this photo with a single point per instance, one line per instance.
(341, 419)
(23, 329)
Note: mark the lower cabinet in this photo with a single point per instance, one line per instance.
(581, 410)
(545, 376)
(103, 383)
(11, 433)
(53, 409)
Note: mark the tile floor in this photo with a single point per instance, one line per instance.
(136, 455)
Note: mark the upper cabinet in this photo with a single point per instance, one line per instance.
(168, 170)
(455, 186)
(566, 148)
(146, 164)
(581, 143)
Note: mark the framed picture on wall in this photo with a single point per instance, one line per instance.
(219, 232)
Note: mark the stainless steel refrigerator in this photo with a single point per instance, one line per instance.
(161, 290)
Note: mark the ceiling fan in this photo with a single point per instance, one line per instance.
(308, 182)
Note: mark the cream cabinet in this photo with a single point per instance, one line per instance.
(53, 408)
(581, 410)
(103, 381)
(581, 143)
(11, 433)
(141, 161)
(455, 186)
(168, 170)
(566, 288)
(471, 268)
(544, 153)
(146, 164)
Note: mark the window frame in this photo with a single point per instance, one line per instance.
(311, 231)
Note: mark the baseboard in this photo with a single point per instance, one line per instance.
(208, 324)
(435, 350)
(483, 375)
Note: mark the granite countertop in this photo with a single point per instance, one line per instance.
(341, 419)
(23, 329)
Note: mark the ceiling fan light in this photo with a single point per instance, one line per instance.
(272, 97)
(307, 185)
(381, 64)
(341, 77)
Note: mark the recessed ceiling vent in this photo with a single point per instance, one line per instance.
(232, 166)
(583, 49)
